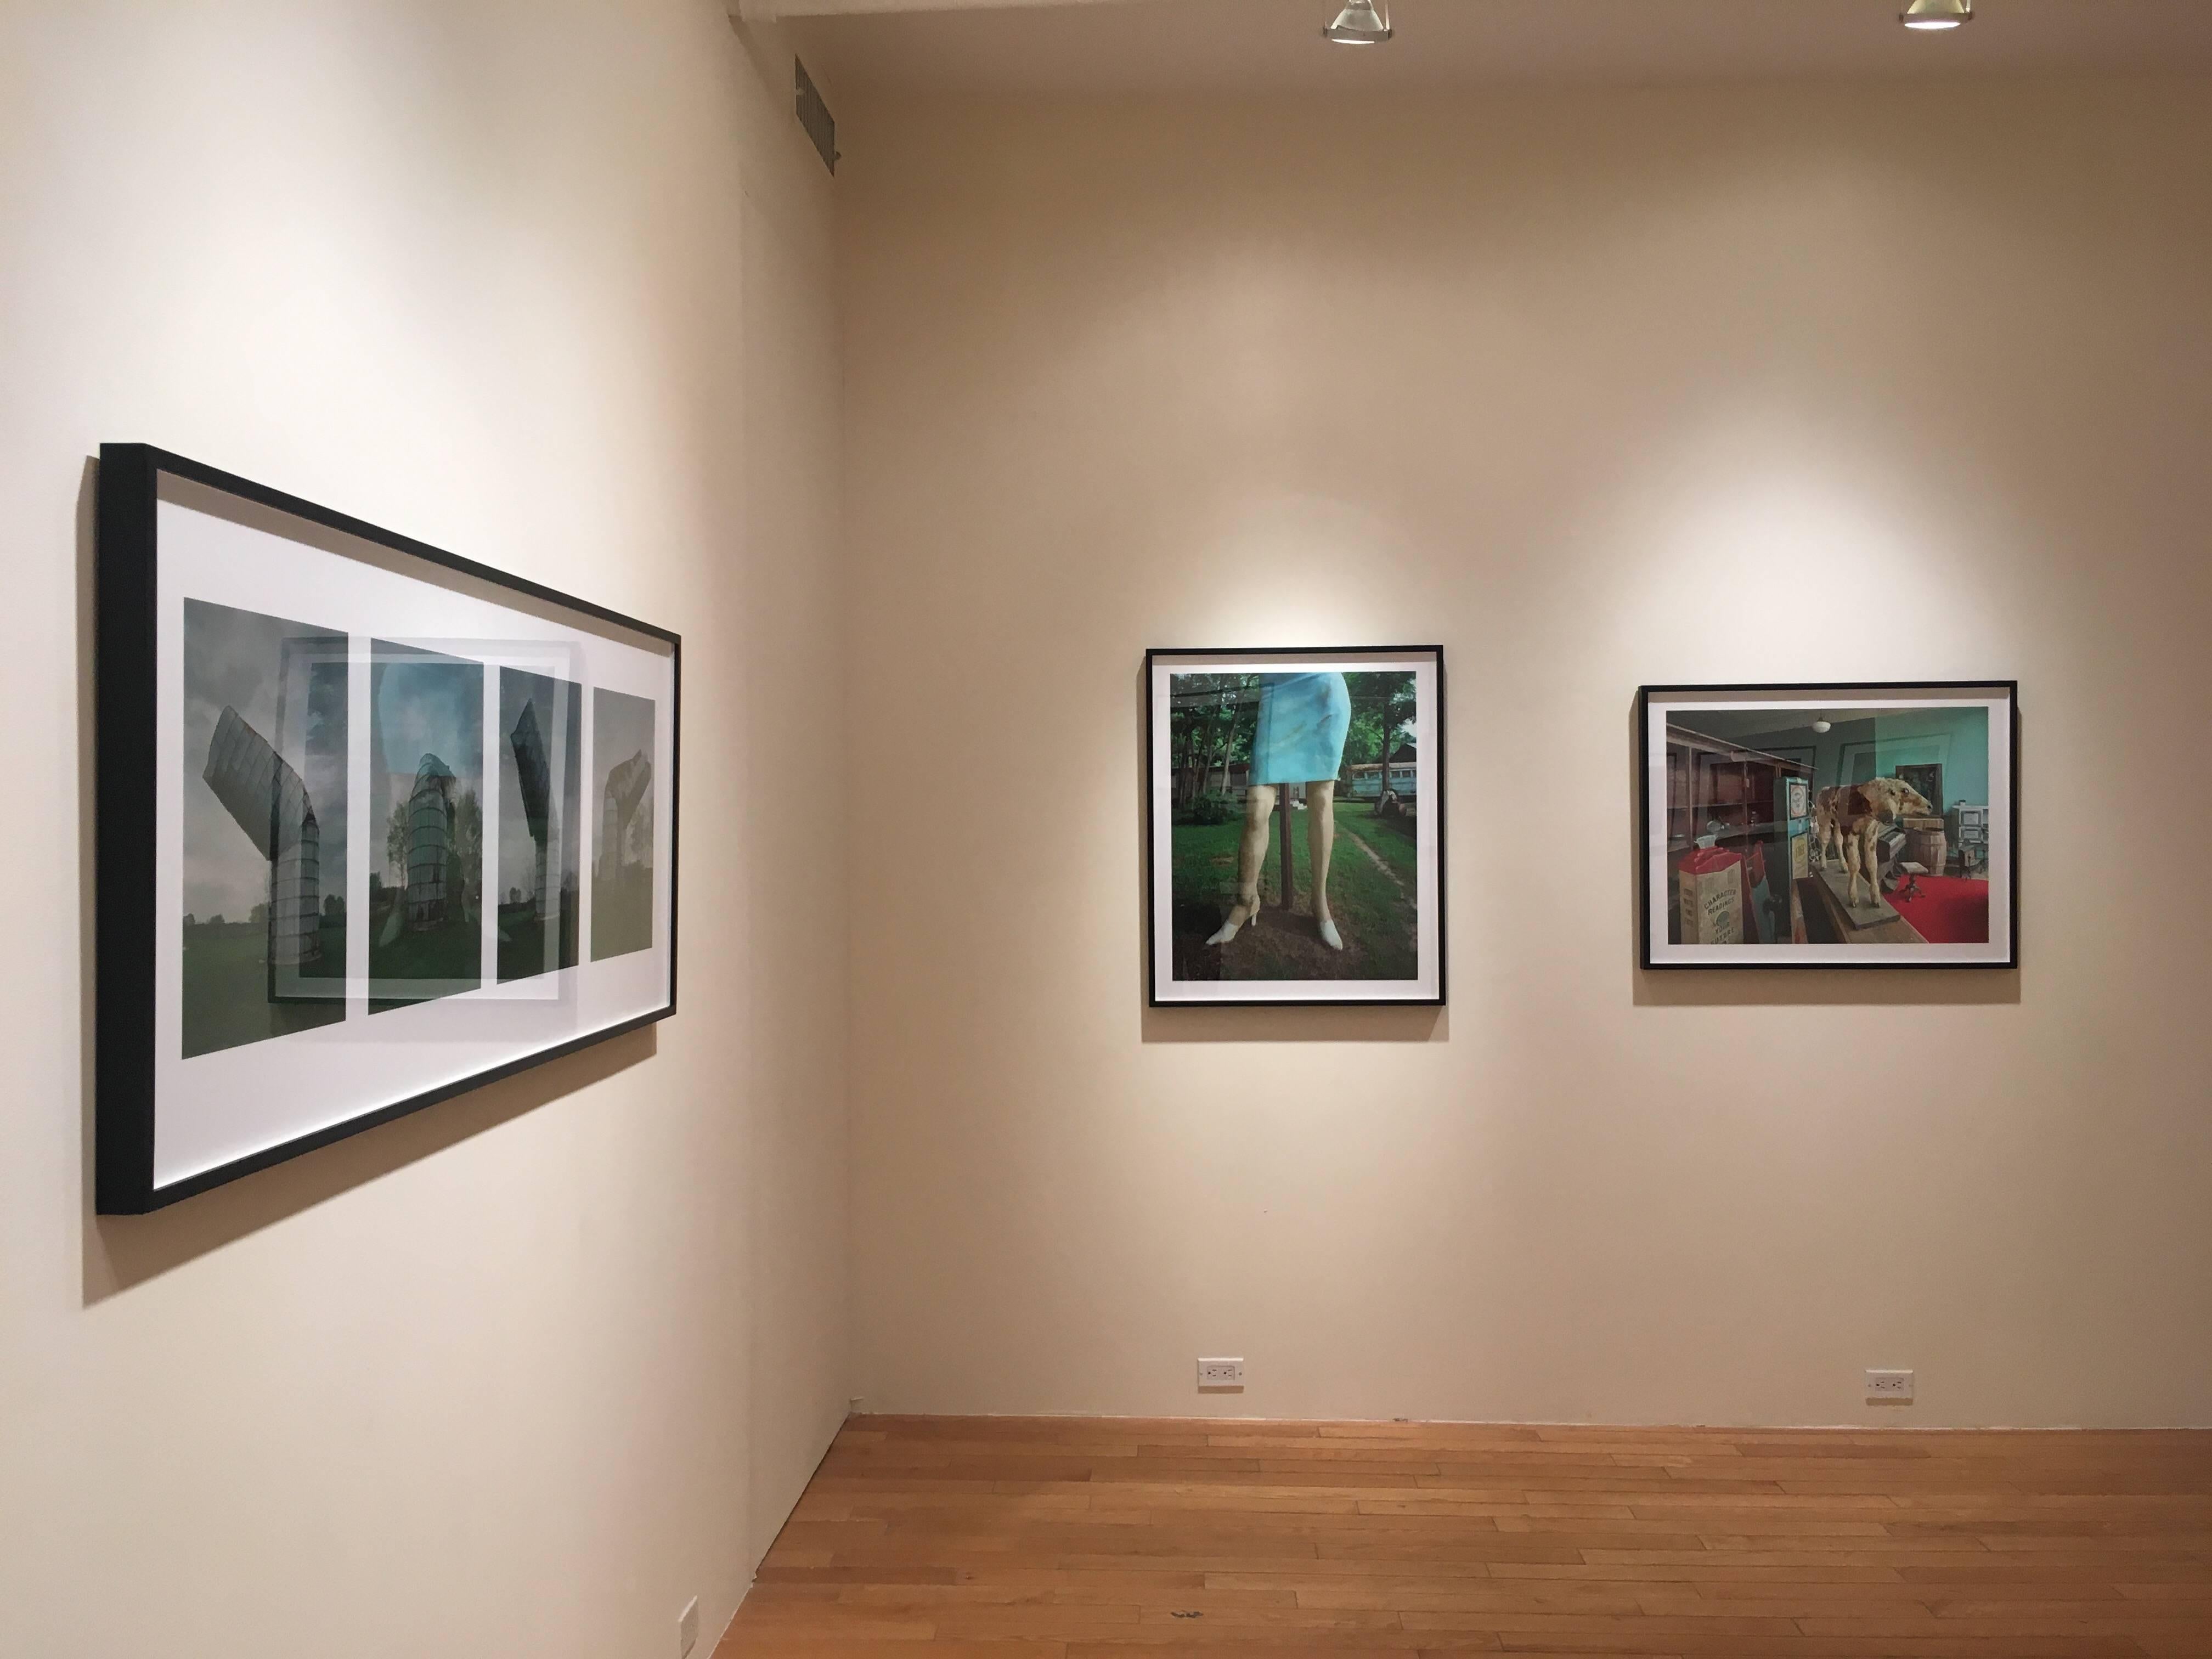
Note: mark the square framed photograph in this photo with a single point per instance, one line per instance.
(1871, 825)
(376, 824)
(1295, 816)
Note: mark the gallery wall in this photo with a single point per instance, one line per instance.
(1594, 387)
(548, 286)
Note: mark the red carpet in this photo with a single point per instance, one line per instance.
(1950, 910)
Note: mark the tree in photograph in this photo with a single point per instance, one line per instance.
(1205, 713)
(1382, 705)
(1206, 724)
(1187, 702)
(1205, 695)
(1222, 733)
(1239, 695)
(395, 841)
(468, 845)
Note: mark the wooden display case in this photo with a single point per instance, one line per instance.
(1740, 800)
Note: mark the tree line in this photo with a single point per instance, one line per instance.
(1213, 718)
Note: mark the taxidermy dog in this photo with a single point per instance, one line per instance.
(1852, 816)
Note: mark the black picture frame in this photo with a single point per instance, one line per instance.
(1840, 692)
(1156, 655)
(126, 699)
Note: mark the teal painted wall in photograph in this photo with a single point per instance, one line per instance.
(1957, 737)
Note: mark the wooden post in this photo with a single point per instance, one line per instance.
(1283, 797)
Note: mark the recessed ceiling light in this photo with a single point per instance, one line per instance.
(1931, 14)
(1360, 25)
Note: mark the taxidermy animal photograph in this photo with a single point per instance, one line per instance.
(1784, 824)
(1847, 821)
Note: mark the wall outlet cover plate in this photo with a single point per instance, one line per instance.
(1890, 1386)
(1220, 1373)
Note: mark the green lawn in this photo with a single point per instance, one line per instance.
(443, 960)
(1392, 839)
(1373, 913)
(529, 945)
(226, 994)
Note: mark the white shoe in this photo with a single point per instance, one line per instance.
(1330, 937)
(1228, 929)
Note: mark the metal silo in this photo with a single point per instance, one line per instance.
(535, 776)
(268, 801)
(625, 834)
(430, 844)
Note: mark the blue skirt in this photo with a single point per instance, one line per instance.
(1303, 719)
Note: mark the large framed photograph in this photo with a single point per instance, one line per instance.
(376, 824)
(1295, 809)
(1830, 825)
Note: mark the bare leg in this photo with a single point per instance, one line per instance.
(1854, 850)
(1251, 853)
(1321, 838)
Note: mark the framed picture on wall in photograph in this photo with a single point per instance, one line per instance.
(1870, 825)
(1294, 815)
(376, 824)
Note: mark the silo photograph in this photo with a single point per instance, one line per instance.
(541, 791)
(622, 792)
(264, 825)
(426, 794)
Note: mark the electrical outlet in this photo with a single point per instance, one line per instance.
(1890, 1386)
(1220, 1373)
(687, 1629)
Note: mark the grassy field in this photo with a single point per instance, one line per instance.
(226, 989)
(622, 913)
(528, 944)
(443, 960)
(1373, 910)
(1392, 840)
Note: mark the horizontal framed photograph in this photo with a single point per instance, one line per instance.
(1295, 813)
(1870, 825)
(376, 824)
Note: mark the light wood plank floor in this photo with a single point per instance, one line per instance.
(1077, 1538)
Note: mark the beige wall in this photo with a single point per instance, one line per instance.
(547, 285)
(1596, 388)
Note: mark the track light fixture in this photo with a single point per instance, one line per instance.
(1930, 14)
(1360, 24)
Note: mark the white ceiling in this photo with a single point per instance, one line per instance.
(1007, 46)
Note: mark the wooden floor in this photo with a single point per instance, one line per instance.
(1080, 1538)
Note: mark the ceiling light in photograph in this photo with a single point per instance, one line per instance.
(1936, 14)
(1360, 25)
